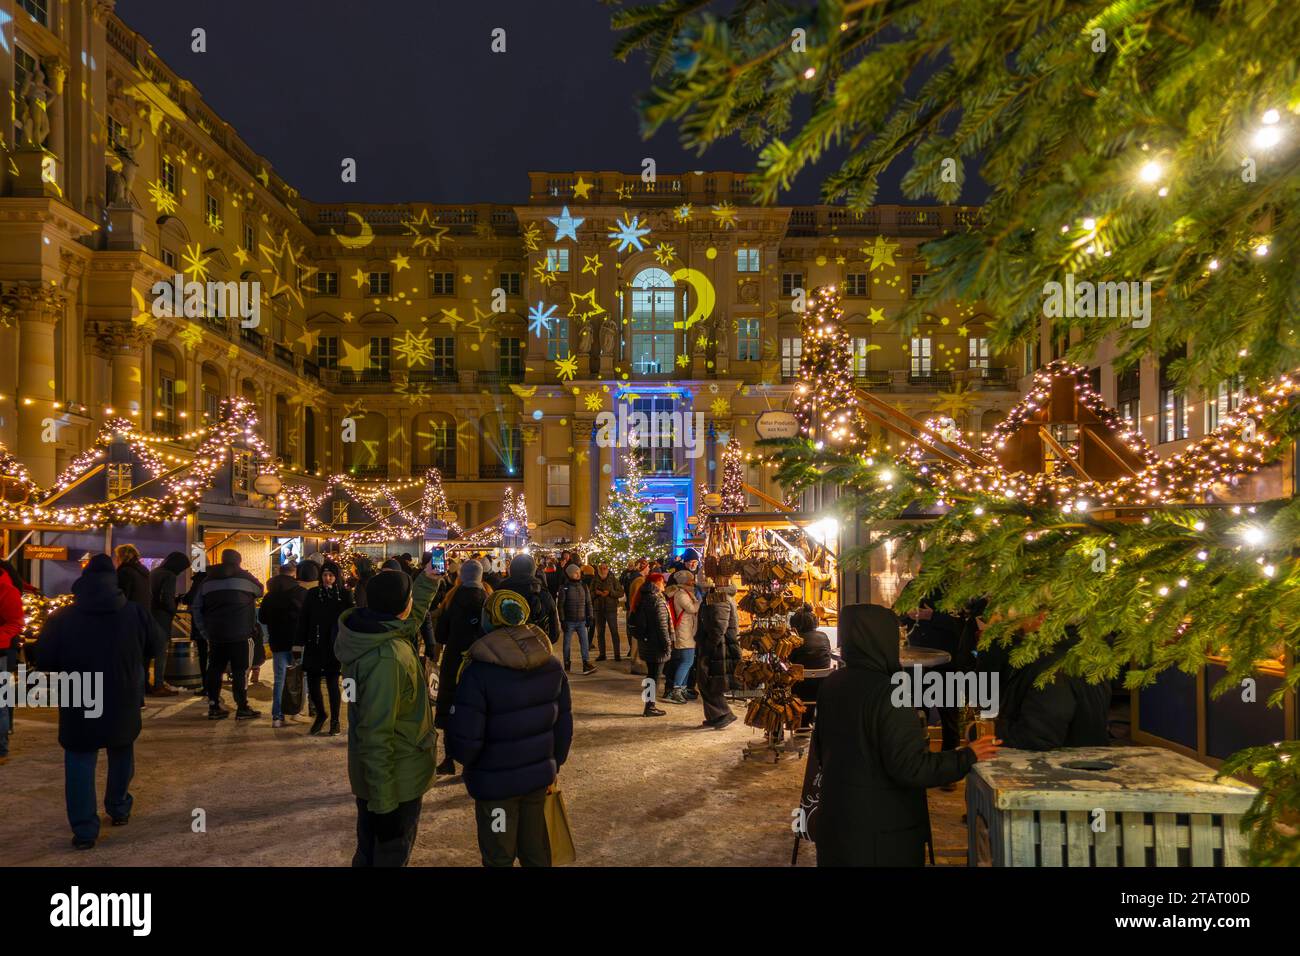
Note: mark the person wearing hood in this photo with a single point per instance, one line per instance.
(605, 592)
(133, 581)
(511, 727)
(318, 628)
(1067, 712)
(523, 580)
(459, 626)
(365, 569)
(225, 613)
(101, 633)
(717, 652)
(875, 757)
(574, 607)
(392, 744)
(654, 636)
(685, 608)
(162, 605)
(281, 612)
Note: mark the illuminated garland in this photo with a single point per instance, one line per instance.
(733, 478)
(825, 402)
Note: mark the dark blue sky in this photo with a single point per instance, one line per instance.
(411, 90)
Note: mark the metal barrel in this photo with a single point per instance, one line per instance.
(183, 664)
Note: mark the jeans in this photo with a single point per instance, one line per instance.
(684, 658)
(607, 619)
(372, 851)
(79, 788)
(512, 829)
(280, 660)
(584, 642)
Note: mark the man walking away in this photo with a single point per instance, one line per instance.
(511, 726)
(605, 592)
(523, 580)
(102, 634)
(281, 612)
(162, 603)
(574, 605)
(391, 740)
(225, 613)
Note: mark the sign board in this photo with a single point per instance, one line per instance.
(532, 526)
(777, 424)
(447, 517)
(44, 552)
(713, 500)
(267, 484)
(692, 519)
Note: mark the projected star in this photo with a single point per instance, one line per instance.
(591, 264)
(565, 225)
(627, 234)
(582, 189)
(880, 254)
(539, 321)
(426, 233)
(589, 298)
(566, 368)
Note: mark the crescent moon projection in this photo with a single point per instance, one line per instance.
(705, 295)
(366, 237)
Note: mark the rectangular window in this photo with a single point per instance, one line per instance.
(1224, 400)
(557, 260)
(1128, 392)
(380, 353)
(653, 336)
(169, 258)
(338, 512)
(444, 356)
(557, 339)
(510, 282)
(241, 472)
(860, 354)
(167, 399)
(38, 11)
(119, 479)
(791, 350)
(789, 282)
(212, 211)
(855, 284)
(747, 260)
(327, 283)
(211, 404)
(1173, 402)
(169, 177)
(115, 133)
(977, 352)
(510, 357)
(922, 356)
(749, 344)
(250, 239)
(918, 282)
(557, 485)
(379, 283)
(441, 446)
(444, 283)
(327, 351)
(655, 448)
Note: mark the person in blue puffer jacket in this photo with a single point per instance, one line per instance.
(511, 726)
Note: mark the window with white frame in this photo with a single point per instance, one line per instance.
(977, 352)
(747, 260)
(922, 355)
(510, 282)
(791, 351)
(557, 260)
(381, 357)
(557, 339)
(379, 283)
(1128, 394)
(653, 336)
(338, 512)
(444, 356)
(327, 283)
(119, 479)
(749, 345)
(327, 351)
(1223, 401)
(557, 485)
(443, 283)
(855, 284)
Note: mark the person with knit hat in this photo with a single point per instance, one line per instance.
(574, 606)
(101, 633)
(224, 611)
(523, 580)
(685, 617)
(281, 612)
(318, 628)
(392, 744)
(459, 626)
(511, 727)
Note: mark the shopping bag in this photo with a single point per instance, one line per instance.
(557, 828)
(291, 694)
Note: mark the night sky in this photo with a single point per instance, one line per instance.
(412, 91)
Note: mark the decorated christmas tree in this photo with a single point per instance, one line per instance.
(824, 399)
(625, 531)
(733, 478)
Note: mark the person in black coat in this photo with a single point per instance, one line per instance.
(717, 652)
(200, 642)
(319, 626)
(1068, 712)
(605, 593)
(875, 757)
(654, 634)
(104, 637)
(511, 726)
(459, 625)
(133, 581)
(281, 612)
(162, 604)
(541, 606)
(931, 627)
(224, 611)
(814, 654)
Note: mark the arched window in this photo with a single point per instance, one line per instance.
(653, 339)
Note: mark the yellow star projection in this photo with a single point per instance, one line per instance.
(665, 253)
(281, 262)
(451, 317)
(163, 200)
(400, 262)
(566, 368)
(356, 358)
(530, 236)
(191, 336)
(725, 214)
(194, 263)
(588, 297)
(683, 212)
(720, 407)
(426, 234)
(582, 189)
(593, 401)
(415, 350)
(543, 275)
(591, 264)
(880, 254)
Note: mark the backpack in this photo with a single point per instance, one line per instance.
(674, 615)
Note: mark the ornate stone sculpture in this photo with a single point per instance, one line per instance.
(121, 180)
(608, 330)
(584, 338)
(31, 110)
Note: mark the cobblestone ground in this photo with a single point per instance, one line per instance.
(640, 792)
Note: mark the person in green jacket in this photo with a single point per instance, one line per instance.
(391, 740)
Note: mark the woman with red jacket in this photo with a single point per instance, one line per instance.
(12, 620)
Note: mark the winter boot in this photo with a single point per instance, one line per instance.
(316, 725)
(652, 711)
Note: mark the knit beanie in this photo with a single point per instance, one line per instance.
(506, 609)
(573, 571)
(523, 566)
(388, 591)
(308, 571)
(471, 574)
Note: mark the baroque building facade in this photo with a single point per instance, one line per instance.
(486, 340)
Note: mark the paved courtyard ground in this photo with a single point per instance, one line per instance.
(640, 792)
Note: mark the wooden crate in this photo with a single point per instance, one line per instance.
(1148, 807)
